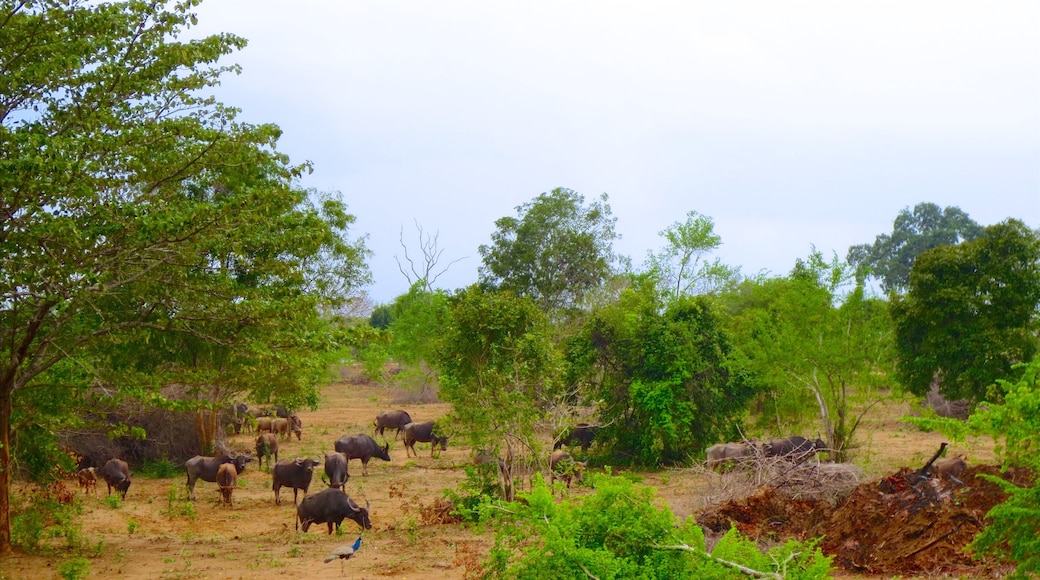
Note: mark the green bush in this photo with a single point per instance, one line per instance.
(161, 468)
(46, 519)
(74, 569)
(623, 531)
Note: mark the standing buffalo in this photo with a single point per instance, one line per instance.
(266, 446)
(423, 433)
(582, 433)
(722, 453)
(563, 466)
(362, 447)
(287, 426)
(331, 506)
(265, 425)
(392, 420)
(796, 448)
(296, 474)
(117, 475)
(336, 469)
(87, 479)
(227, 479)
(205, 468)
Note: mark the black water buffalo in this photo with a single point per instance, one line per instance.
(582, 433)
(205, 468)
(331, 506)
(423, 433)
(795, 447)
(227, 479)
(362, 447)
(336, 469)
(392, 420)
(296, 473)
(266, 446)
(116, 474)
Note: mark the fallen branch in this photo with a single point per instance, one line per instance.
(739, 567)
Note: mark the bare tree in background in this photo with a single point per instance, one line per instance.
(426, 268)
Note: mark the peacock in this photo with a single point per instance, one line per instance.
(344, 552)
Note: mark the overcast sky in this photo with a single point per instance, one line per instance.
(791, 124)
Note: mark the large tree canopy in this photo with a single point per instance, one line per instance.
(554, 251)
(970, 313)
(133, 204)
(890, 258)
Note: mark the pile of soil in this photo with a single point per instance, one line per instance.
(900, 524)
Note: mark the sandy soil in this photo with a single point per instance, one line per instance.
(144, 538)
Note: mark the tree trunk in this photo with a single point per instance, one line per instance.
(5, 469)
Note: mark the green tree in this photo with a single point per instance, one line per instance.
(418, 316)
(891, 256)
(970, 313)
(814, 342)
(663, 373)
(133, 205)
(681, 264)
(498, 368)
(555, 251)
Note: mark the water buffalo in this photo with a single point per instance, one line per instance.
(582, 433)
(117, 475)
(392, 420)
(423, 433)
(336, 469)
(362, 447)
(723, 453)
(563, 466)
(796, 447)
(296, 473)
(266, 446)
(287, 426)
(87, 479)
(205, 468)
(951, 468)
(331, 506)
(265, 425)
(227, 479)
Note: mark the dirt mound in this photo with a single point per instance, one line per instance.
(897, 525)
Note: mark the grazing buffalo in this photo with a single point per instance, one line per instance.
(392, 420)
(205, 468)
(117, 475)
(336, 469)
(266, 446)
(331, 506)
(951, 468)
(296, 474)
(227, 479)
(265, 425)
(563, 466)
(722, 453)
(362, 447)
(423, 433)
(582, 433)
(87, 479)
(287, 426)
(281, 411)
(796, 447)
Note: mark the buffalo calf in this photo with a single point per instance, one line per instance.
(227, 479)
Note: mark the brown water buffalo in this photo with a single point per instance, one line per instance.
(296, 473)
(336, 469)
(265, 425)
(362, 447)
(391, 420)
(286, 426)
(266, 446)
(423, 433)
(951, 468)
(563, 466)
(117, 475)
(227, 479)
(582, 434)
(87, 479)
(331, 506)
(205, 468)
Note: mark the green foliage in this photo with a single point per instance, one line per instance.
(418, 315)
(817, 347)
(161, 468)
(679, 264)
(37, 453)
(891, 257)
(622, 531)
(382, 316)
(74, 569)
(970, 313)
(44, 519)
(498, 365)
(475, 493)
(663, 373)
(555, 251)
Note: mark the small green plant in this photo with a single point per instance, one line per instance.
(161, 468)
(112, 501)
(295, 552)
(131, 527)
(176, 505)
(52, 513)
(74, 569)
